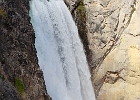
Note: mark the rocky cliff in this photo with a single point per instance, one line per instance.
(109, 30)
(20, 75)
(117, 76)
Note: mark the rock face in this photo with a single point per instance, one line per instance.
(118, 76)
(72, 4)
(106, 21)
(109, 30)
(20, 75)
(7, 91)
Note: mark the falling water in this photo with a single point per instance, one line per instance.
(60, 52)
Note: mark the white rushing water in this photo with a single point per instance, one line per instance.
(60, 52)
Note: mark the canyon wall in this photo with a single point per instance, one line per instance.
(117, 76)
(109, 30)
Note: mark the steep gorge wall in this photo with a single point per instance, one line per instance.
(20, 75)
(117, 78)
(111, 31)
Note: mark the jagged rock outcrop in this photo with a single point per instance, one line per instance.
(20, 75)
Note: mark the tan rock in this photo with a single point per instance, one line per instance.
(106, 20)
(119, 73)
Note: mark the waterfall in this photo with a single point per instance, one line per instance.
(60, 52)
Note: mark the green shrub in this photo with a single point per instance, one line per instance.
(2, 14)
(81, 8)
(19, 85)
(3, 78)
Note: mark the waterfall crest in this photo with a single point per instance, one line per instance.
(60, 52)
